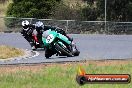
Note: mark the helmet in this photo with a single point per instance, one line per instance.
(39, 25)
(25, 24)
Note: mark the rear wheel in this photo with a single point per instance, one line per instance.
(63, 50)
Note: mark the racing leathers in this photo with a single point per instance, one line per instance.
(28, 34)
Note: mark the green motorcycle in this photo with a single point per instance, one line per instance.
(58, 44)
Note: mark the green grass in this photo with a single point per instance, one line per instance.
(61, 76)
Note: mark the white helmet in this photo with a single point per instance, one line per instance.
(25, 24)
(39, 25)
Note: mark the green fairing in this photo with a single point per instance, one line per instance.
(64, 38)
(55, 34)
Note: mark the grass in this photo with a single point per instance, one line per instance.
(60, 75)
(8, 52)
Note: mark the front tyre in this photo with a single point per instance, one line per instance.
(63, 50)
(47, 56)
(48, 53)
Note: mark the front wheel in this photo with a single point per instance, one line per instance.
(48, 53)
(47, 56)
(63, 50)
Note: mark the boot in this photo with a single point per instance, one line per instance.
(73, 47)
(70, 39)
(32, 46)
(75, 51)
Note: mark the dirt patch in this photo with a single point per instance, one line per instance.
(10, 52)
(108, 62)
(12, 69)
(39, 67)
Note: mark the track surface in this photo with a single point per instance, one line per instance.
(92, 47)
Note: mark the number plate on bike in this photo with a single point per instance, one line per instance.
(49, 38)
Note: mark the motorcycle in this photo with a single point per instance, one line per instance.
(58, 44)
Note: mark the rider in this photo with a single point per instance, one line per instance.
(40, 27)
(36, 31)
(27, 32)
(59, 30)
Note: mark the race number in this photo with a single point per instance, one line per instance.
(49, 38)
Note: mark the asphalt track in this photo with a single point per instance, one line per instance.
(92, 47)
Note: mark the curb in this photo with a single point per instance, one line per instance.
(28, 54)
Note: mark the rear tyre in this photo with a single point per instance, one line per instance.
(63, 50)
